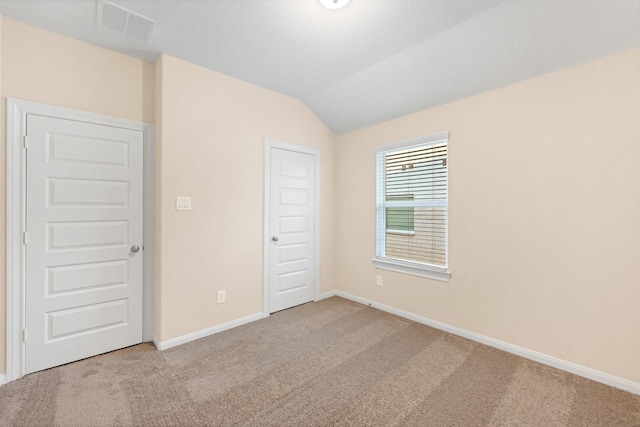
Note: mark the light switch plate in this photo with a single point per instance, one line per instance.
(183, 203)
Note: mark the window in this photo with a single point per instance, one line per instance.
(412, 207)
(399, 220)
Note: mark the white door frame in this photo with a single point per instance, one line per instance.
(17, 111)
(268, 145)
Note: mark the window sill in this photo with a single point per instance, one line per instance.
(413, 268)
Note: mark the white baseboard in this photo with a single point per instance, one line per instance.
(554, 362)
(326, 295)
(173, 342)
(3, 378)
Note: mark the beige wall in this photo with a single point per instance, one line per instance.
(543, 210)
(52, 69)
(41, 66)
(211, 147)
(544, 202)
(214, 154)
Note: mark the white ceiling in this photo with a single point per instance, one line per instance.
(373, 60)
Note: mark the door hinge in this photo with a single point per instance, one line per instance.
(25, 238)
(25, 142)
(24, 335)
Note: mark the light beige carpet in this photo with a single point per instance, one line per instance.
(334, 362)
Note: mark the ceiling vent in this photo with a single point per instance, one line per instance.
(124, 21)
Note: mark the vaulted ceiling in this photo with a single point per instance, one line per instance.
(371, 61)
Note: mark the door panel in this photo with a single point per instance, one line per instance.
(292, 221)
(84, 213)
(84, 192)
(75, 321)
(72, 278)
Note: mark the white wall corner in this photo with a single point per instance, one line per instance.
(3, 378)
(173, 342)
(573, 368)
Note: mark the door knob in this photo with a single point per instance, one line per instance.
(275, 238)
(135, 248)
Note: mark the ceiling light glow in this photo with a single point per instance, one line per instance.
(334, 4)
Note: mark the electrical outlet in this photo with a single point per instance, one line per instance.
(221, 297)
(378, 280)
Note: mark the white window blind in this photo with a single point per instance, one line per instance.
(412, 203)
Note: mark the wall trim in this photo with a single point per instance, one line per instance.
(268, 145)
(554, 362)
(17, 111)
(183, 339)
(2, 379)
(327, 295)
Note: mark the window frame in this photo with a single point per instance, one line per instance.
(395, 264)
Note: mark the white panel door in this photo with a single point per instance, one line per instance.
(292, 221)
(83, 291)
